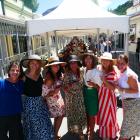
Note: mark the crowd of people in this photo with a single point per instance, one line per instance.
(83, 89)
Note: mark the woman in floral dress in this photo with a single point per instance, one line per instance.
(52, 93)
(73, 89)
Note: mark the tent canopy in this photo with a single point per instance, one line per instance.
(77, 14)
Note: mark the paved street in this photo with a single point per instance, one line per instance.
(63, 128)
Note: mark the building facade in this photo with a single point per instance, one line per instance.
(134, 13)
(13, 44)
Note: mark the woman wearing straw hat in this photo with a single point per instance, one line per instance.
(92, 82)
(73, 89)
(108, 126)
(51, 91)
(36, 120)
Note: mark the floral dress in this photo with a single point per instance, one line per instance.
(55, 102)
(75, 108)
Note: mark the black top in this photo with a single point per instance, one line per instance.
(33, 88)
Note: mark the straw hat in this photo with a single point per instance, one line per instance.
(25, 61)
(54, 61)
(107, 56)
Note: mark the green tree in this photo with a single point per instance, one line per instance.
(121, 9)
(32, 4)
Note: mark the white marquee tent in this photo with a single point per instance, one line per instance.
(77, 15)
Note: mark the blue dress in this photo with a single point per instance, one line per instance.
(36, 118)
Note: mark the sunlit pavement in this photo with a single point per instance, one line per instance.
(63, 128)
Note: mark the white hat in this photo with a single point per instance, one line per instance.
(107, 56)
(54, 61)
(25, 61)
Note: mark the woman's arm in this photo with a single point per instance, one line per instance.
(133, 86)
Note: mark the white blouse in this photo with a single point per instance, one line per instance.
(123, 83)
(93, 75)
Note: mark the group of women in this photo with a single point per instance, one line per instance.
(83, 91)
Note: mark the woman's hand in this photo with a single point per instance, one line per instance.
(121, 90)
(92, 84)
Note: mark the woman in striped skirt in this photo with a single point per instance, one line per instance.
(108, 126)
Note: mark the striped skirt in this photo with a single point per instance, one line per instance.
(131, 120)
(36, 119)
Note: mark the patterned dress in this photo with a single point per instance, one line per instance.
(75, 109)
(55, 102)
(36, 118)
(131, 107)
(108, 126)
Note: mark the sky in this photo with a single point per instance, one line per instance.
(106, 4)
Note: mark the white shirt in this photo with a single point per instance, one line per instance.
(123, 83)
(93, 75)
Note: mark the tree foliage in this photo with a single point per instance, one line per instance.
(121, 9)
(32, 4)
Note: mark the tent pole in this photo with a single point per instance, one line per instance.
(56, 42)
(17, 41)
(1, 60)
(107, 35)
(115, 41)
(98, 31)
(29, 50)
(48, 44)
(126, 43)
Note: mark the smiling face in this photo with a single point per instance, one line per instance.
(88, 61)
(122, 65)
(107, 65)
(74, 66)
(55, 68)
(122, 62)
(14, 72)
(34, 65)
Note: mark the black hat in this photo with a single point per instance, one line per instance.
(74, 58)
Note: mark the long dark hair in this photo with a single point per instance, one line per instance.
(58, 74)
(94, 60)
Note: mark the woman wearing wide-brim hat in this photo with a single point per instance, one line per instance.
(52, 91)
(25, 61)
(35, 112)
(107, 99)
(73, 89)
(92, 82)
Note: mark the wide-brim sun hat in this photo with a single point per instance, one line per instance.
(54, 61)
(107, 56)
(25, 61)
(74, 58)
